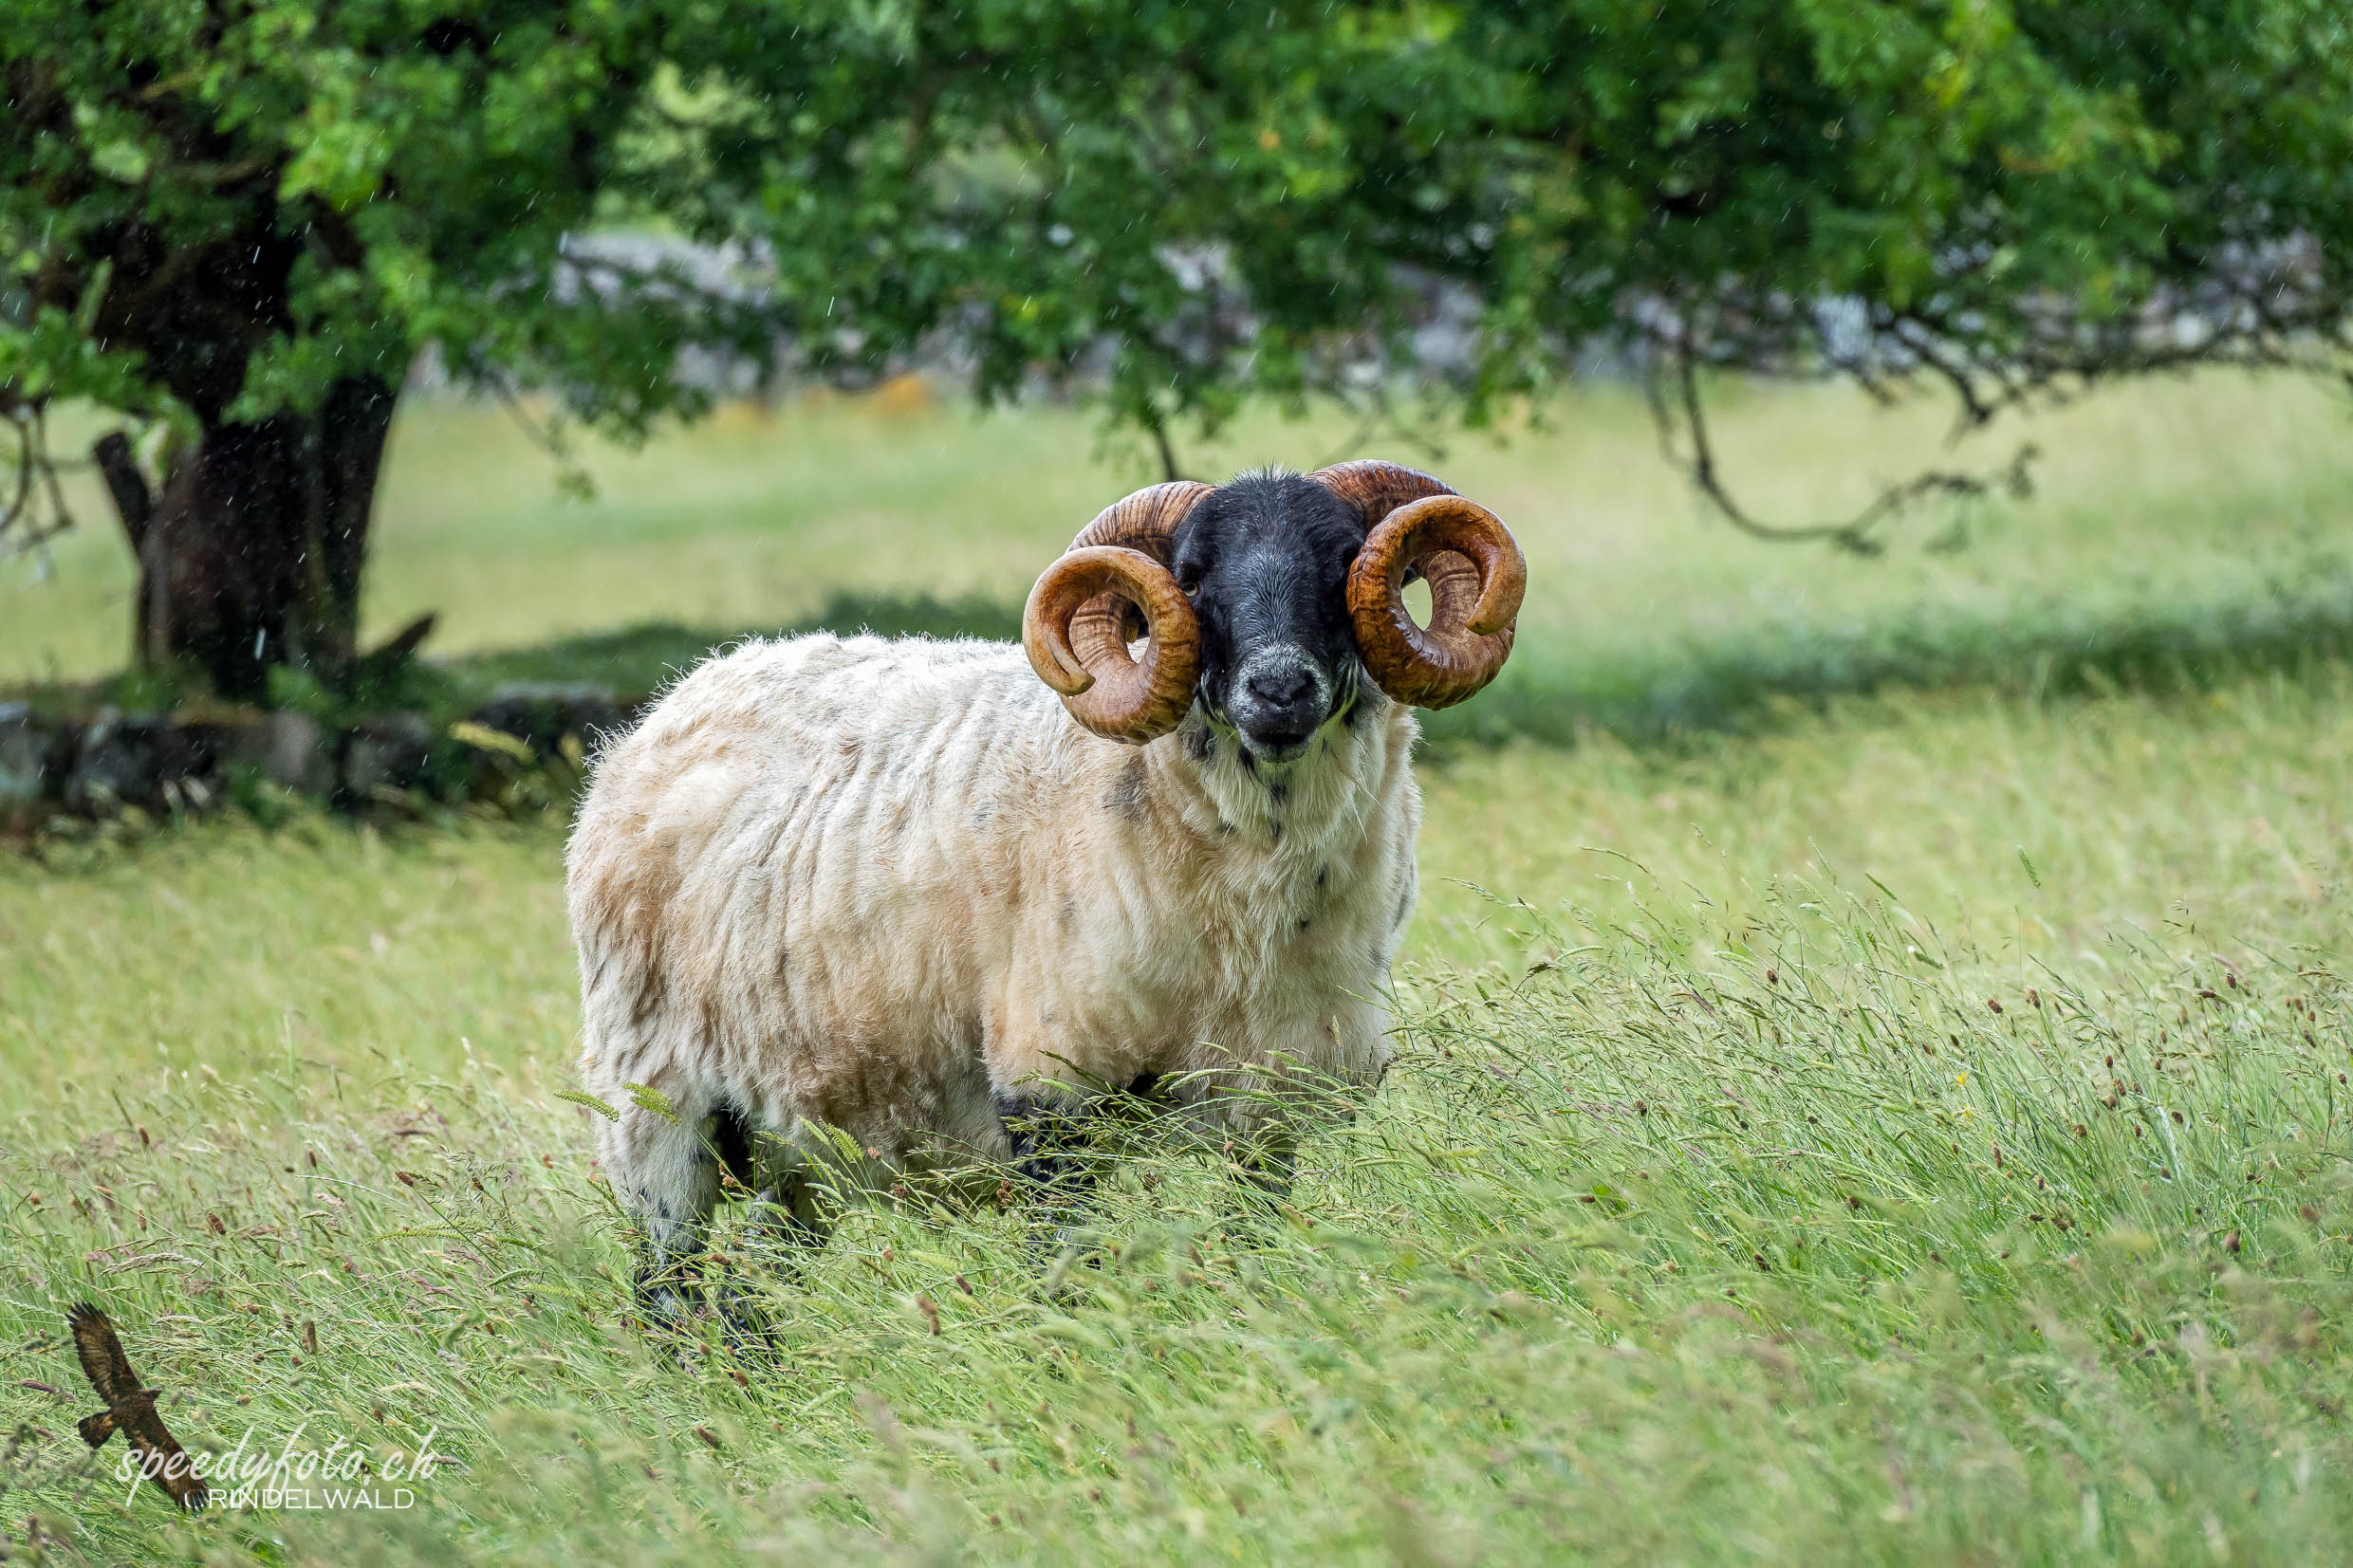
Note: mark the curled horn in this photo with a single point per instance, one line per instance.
(1477, 578)
(1146, 521)
(1112, 585)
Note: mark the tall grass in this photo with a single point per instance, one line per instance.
(1713, 1212)
(1910, 1131)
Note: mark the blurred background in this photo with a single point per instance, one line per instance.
(2022, 329)
(1872, 1045)
(2177, 529)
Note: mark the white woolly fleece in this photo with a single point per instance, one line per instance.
(866, 884)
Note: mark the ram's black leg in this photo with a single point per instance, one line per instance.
(1050, 1150)
(1262, 1167)
(1050, 1156)
(1267, 1165)
(779, 1231)
(784, 1223)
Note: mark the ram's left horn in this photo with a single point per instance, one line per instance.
(1478, 579)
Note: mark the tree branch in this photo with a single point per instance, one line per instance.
(1169, 467)
(572, 476)
(1853, 535)
(1380, 416)
(17, 503)
(36, 483)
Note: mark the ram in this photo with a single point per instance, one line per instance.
(893, 899)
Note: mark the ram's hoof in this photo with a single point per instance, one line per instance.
(747, 1327)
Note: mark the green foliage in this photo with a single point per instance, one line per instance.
(253, 218)
(395, 174)
(2005, 195)
(231, 207)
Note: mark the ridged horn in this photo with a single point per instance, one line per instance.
(1112, 585)
(1375, 489)
(1477, 574)
(1146, 521)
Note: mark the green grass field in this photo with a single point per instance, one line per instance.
(1895, 1128)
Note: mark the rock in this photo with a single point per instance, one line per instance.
(140, 760)
(292, 750)
(541, 713)
(387, 751)
(28, 751)
(301, 753)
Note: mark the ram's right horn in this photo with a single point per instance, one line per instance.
(1111, 586)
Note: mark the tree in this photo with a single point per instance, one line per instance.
(242, 221)
(2011, 198)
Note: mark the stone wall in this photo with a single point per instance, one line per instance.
(102, 764)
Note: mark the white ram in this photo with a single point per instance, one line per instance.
(890, 888)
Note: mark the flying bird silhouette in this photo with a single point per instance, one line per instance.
(130, 1407)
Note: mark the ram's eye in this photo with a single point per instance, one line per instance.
(1187, 577)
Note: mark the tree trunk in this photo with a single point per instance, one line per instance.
(250, 557)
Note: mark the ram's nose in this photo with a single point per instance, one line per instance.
(1283, 688)
(1279, 702)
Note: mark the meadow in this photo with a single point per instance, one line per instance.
(1871, 1081)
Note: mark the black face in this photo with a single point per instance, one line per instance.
(1265, 560)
